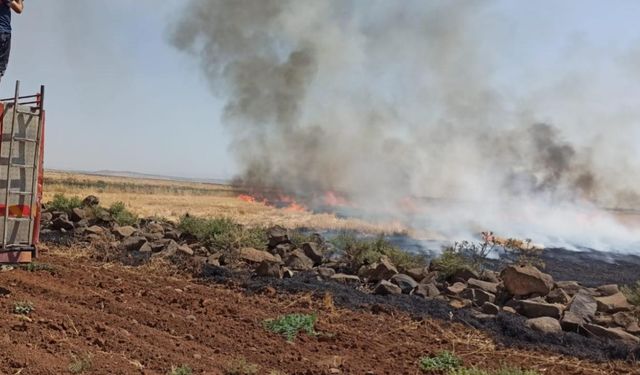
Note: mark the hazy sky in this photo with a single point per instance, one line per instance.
(120, 97)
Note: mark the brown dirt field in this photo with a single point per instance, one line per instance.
(146, 320)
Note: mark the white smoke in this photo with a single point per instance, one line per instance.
(382, 100)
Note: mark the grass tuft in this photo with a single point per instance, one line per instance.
(23, 308)
(180, 370)
(632, 292)
(122, 215)
(61, 203)
(290, 325)
(450, 262)
(443, 362)
(361, 251)
(223, 233)
(80, 364)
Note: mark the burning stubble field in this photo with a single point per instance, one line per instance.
(140, 288)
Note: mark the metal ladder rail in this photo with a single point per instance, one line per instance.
(34, 167)
(9, 162)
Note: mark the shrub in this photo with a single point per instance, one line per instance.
(525, 252)
(450, 262)
(182, 370)
(241, 366)
(61, 203)
(23, 308)
(443, 362)
(290, 325)
(121, 215)
(633, 293)
(367, 251)
(223, 233)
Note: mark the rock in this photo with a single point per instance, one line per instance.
(464, 274)
(460, 303)
(77, 214)
(569, 287)
(326, 272)
(168, 250)
(269, 269)
(155, 228)
(46, 217)
(345, 279)
(173, 234)
(94, 229)
(298, 261)
(558, 295)
(509, 310)
(490, 276)
(583, 305)
(62, 222)
(614, 303)
(478, 296)
(124, 232)
(133, 243)
(571, 322)
(533, 309)
(287, 273)
(611, 333)
(277, 235)
(455, 289)
(526, 280)
(213, 260)
(633, 328)
(384, 270)
(145, 248)
(312, 251)
(153, 236)
(426, 290)
(251, 255)
(157, 246)
(608, 290)
(602, 319)
(624, 319)
(184, 249)
(384, 288)
(490, 308)
(545, 325)
(483, 285)
(418, 273)
(91, 201)
(283, 249)
(405, 282)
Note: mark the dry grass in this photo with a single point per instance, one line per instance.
(173, 199)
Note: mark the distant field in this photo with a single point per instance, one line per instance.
(172, 199)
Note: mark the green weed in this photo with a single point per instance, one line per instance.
(80, 364)
(181, 370)
(121, 215)
(61, 203)
(23, 308)
(632, 292)
(361, 251)
(290, 325)
(223, 233)
(240, 366)
(443, 362)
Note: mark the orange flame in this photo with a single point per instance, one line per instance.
(247, 198)
(333, 199)
(296, 207)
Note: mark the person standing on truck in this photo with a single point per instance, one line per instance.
(5, 30)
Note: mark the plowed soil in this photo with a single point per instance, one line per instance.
(124, 320)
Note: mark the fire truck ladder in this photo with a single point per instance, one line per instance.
(22, 137)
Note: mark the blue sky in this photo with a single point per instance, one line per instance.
(120, 97)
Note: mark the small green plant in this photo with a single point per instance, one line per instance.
(61, 203)
(443, 362)
(180, 370)
(35, 267)
(290, 325)
(121, 215)
(80, 363)
(223, 233)
(632, 292)
(23, 308)
(525, 252)
(240, 366)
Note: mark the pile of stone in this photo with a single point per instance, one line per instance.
(550, 307)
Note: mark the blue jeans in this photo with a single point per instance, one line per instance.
(5, 50)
